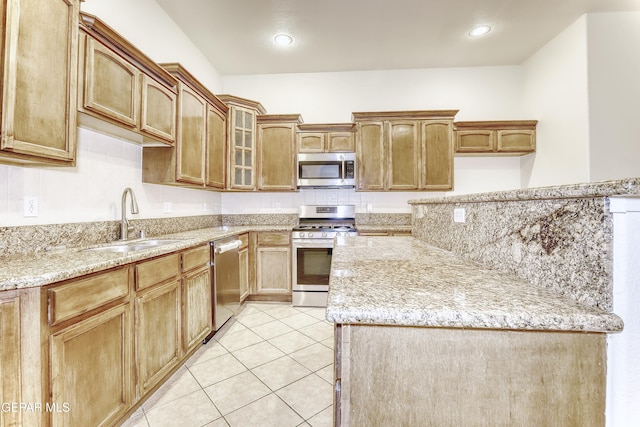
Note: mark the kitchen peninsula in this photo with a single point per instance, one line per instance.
(426, 337)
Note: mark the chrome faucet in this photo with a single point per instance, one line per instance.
(124, 225)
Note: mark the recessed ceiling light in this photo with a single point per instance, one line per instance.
(479, 31)
(283, 40)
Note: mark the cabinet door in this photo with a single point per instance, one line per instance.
(197, 320)
(311, 142)
(216, 148)
(338, 142)
(273, 270)
(192, 113)
(158, 345)
(516, 141)
(475, 141)
(243, 256)
(370, 152)
(91, 370)
(437, 155)
(277, 157)
(242, 155)
(158, 115)
(39, 79)
(10, 371)
(110, 85)
(404, 155)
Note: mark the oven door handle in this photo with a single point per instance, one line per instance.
(312, 243)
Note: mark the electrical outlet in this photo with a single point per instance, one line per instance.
(204, 206)
(459, 215)
(30, 206)
(369, 207)
(278, 206)
(167, 207)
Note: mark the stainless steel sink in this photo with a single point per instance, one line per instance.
(134, 246)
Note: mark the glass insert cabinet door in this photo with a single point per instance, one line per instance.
(243, 155)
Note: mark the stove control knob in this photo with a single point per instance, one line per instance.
(309, 234)
(324, 234)
(301, 234)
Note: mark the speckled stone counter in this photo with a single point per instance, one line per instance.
(403, 281)
(43, 268)
(559, 237)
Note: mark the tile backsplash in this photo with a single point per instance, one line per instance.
(92, 190)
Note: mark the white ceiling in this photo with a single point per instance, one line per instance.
(346, 35)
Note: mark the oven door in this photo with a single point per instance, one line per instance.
(311, 265)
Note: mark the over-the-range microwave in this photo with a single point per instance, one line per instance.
(326, 170)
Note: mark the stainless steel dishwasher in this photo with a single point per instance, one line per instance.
(225, 292)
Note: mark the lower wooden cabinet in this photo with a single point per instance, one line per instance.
(91, 371)
(245, 273)
(102, 342)
(196, 297)
(197, 318)
(10, 368)
(273, 265)
(158, 332)
(406, 376)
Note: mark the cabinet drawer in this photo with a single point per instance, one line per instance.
(196, 257)
(244, 238)
(158, 270)
(83, 295)
(273, 238)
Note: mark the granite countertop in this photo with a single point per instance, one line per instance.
(384, 228)
(403, 281)
(34, 270)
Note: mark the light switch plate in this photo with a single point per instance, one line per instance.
(459, 215)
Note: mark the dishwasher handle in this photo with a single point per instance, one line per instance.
(226, 247)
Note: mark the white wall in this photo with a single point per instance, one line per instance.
(92, 190)
(614, 95)
(555, 93)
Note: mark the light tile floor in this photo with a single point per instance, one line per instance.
(272, 366)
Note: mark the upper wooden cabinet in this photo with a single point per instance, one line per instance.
(405, 150)
(507, 137)
(120, 90)
(327, 138)
(277, 151)
(241, 128)
(39, 77)
(198, 158)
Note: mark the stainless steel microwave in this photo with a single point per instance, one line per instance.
(328, 170)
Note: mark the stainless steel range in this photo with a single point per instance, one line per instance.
(312, 242)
